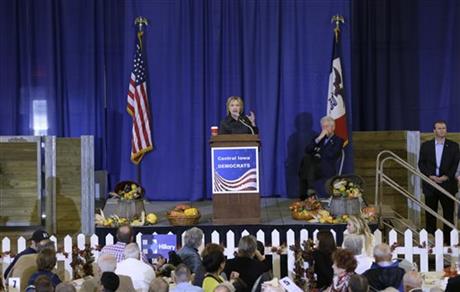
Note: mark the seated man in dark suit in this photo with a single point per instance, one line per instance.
(321, 154)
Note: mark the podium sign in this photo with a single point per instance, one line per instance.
(235, 170)
(235, 179)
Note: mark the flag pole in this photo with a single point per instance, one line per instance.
(140, 22)
(338, 19)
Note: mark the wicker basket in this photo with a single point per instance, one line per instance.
(130, 208)
(183, 221)
(298, 216)
(356, 179)
(345, 206)
(121, 185)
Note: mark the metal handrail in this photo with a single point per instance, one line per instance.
(380, 177)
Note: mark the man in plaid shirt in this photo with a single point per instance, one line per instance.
(124, 236)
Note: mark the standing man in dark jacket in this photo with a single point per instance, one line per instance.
(438, 160)
(321, 155)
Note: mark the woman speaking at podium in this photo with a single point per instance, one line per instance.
(236, 122)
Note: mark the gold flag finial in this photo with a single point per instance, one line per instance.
(338, 19)
(141, 22)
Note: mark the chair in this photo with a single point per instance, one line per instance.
(341, 161)
(265, 277)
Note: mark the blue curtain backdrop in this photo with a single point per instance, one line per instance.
(406, 64)
(77, 55)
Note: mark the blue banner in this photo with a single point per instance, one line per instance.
(235, 170)
(157, 245)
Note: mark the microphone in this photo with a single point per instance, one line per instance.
(241, 119)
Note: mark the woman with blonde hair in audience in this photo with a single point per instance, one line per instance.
(357, 225)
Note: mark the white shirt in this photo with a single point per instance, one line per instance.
(141, 273)
(439, 148)
(364, 263)
(186, 287)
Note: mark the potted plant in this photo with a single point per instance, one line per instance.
(345, 192)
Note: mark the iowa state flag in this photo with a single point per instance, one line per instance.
(336, 93)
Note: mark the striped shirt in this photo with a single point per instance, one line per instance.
(117, 250)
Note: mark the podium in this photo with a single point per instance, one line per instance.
(235, 179)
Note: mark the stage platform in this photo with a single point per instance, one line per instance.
(275, 216)
(274, 211)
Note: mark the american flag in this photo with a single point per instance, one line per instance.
(138, 106)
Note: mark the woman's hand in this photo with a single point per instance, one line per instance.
(252, 118)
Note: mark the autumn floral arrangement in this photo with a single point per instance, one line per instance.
(82, 262)
(347, 187)
(116, 221)
(304, 275)
(127, 190)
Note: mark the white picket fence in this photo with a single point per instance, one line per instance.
(407, 251)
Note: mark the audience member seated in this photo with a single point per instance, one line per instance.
(389, 289)
(358, 226)
(141, 273)
(174, 259)
(159, 285)
(41, 283)
(272, 286)
(46, 260)
(38, 236)
(358, 283)
(406, 265)
(124, 236)
(453, 284)
(261, 248)
(322, 258)
(264, 278)
(190, 256)
(260, 253)
(344, 267)
(182, 278)
(224, 287)
(107, 263)
(26, 265)
(109, 282)
(214, 263)
(248, 262)
(354, 243)
(384, 272)
(412, 282)
(66, 287)
(209, 247)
